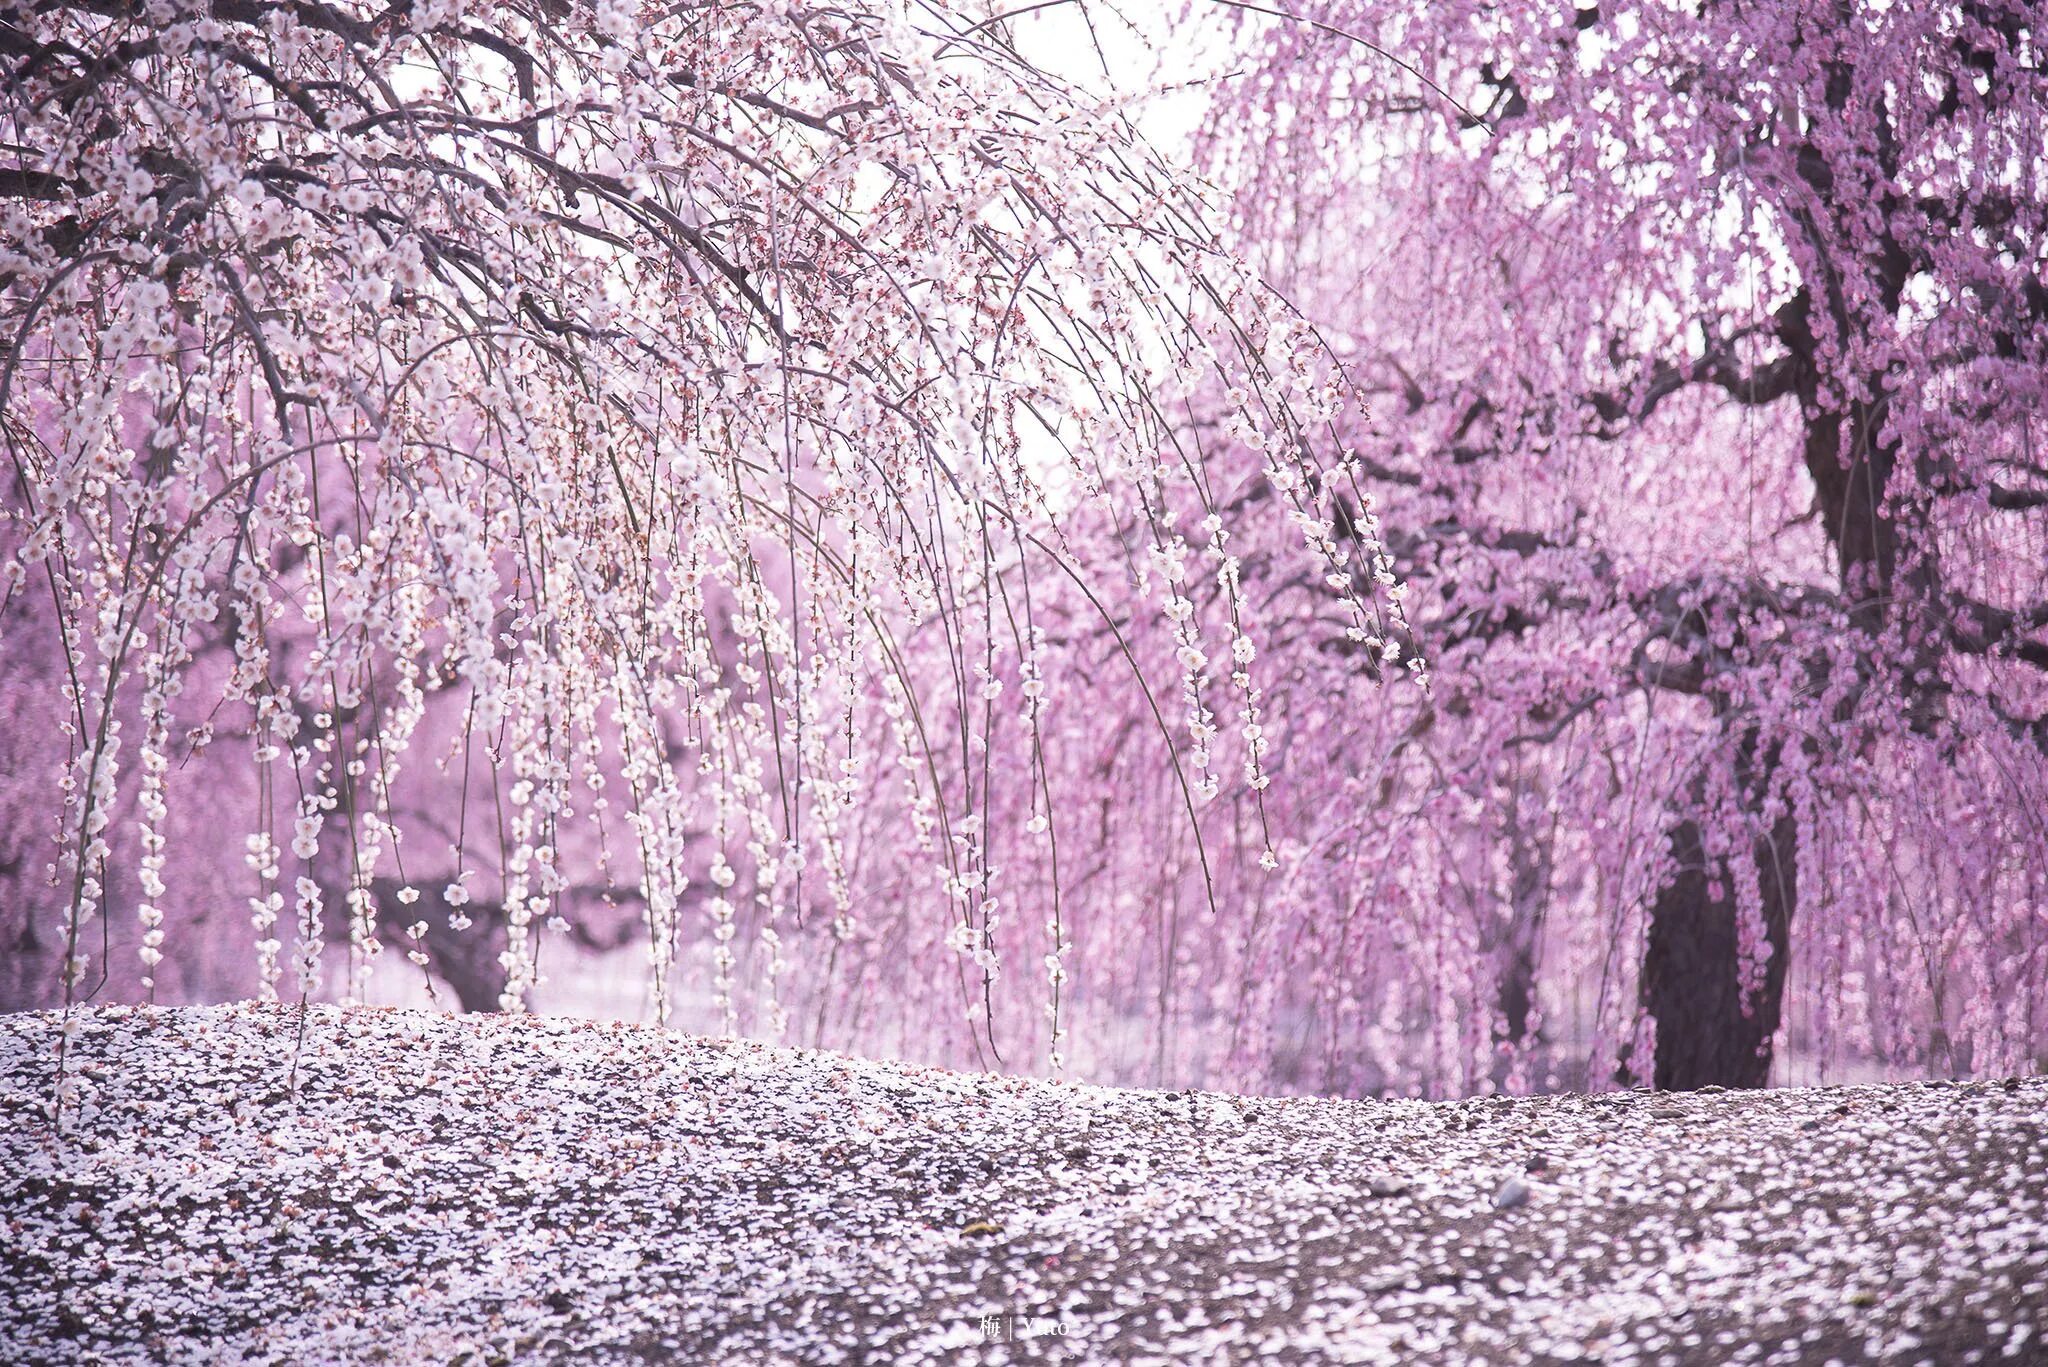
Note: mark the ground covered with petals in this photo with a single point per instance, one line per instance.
(407, 1187)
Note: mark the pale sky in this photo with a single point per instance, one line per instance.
(1146, 48)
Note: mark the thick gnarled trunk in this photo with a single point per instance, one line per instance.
(1707, 1034)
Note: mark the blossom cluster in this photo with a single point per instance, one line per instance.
(525, 466)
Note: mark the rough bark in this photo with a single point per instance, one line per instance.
(1706, 1033)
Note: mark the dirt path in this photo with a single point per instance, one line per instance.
(489, 1189)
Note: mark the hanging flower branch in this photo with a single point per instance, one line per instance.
(604, 438)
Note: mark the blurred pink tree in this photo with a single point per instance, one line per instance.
(1707, 346)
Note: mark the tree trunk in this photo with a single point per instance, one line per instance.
(1529, 860)
(1691, 981)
